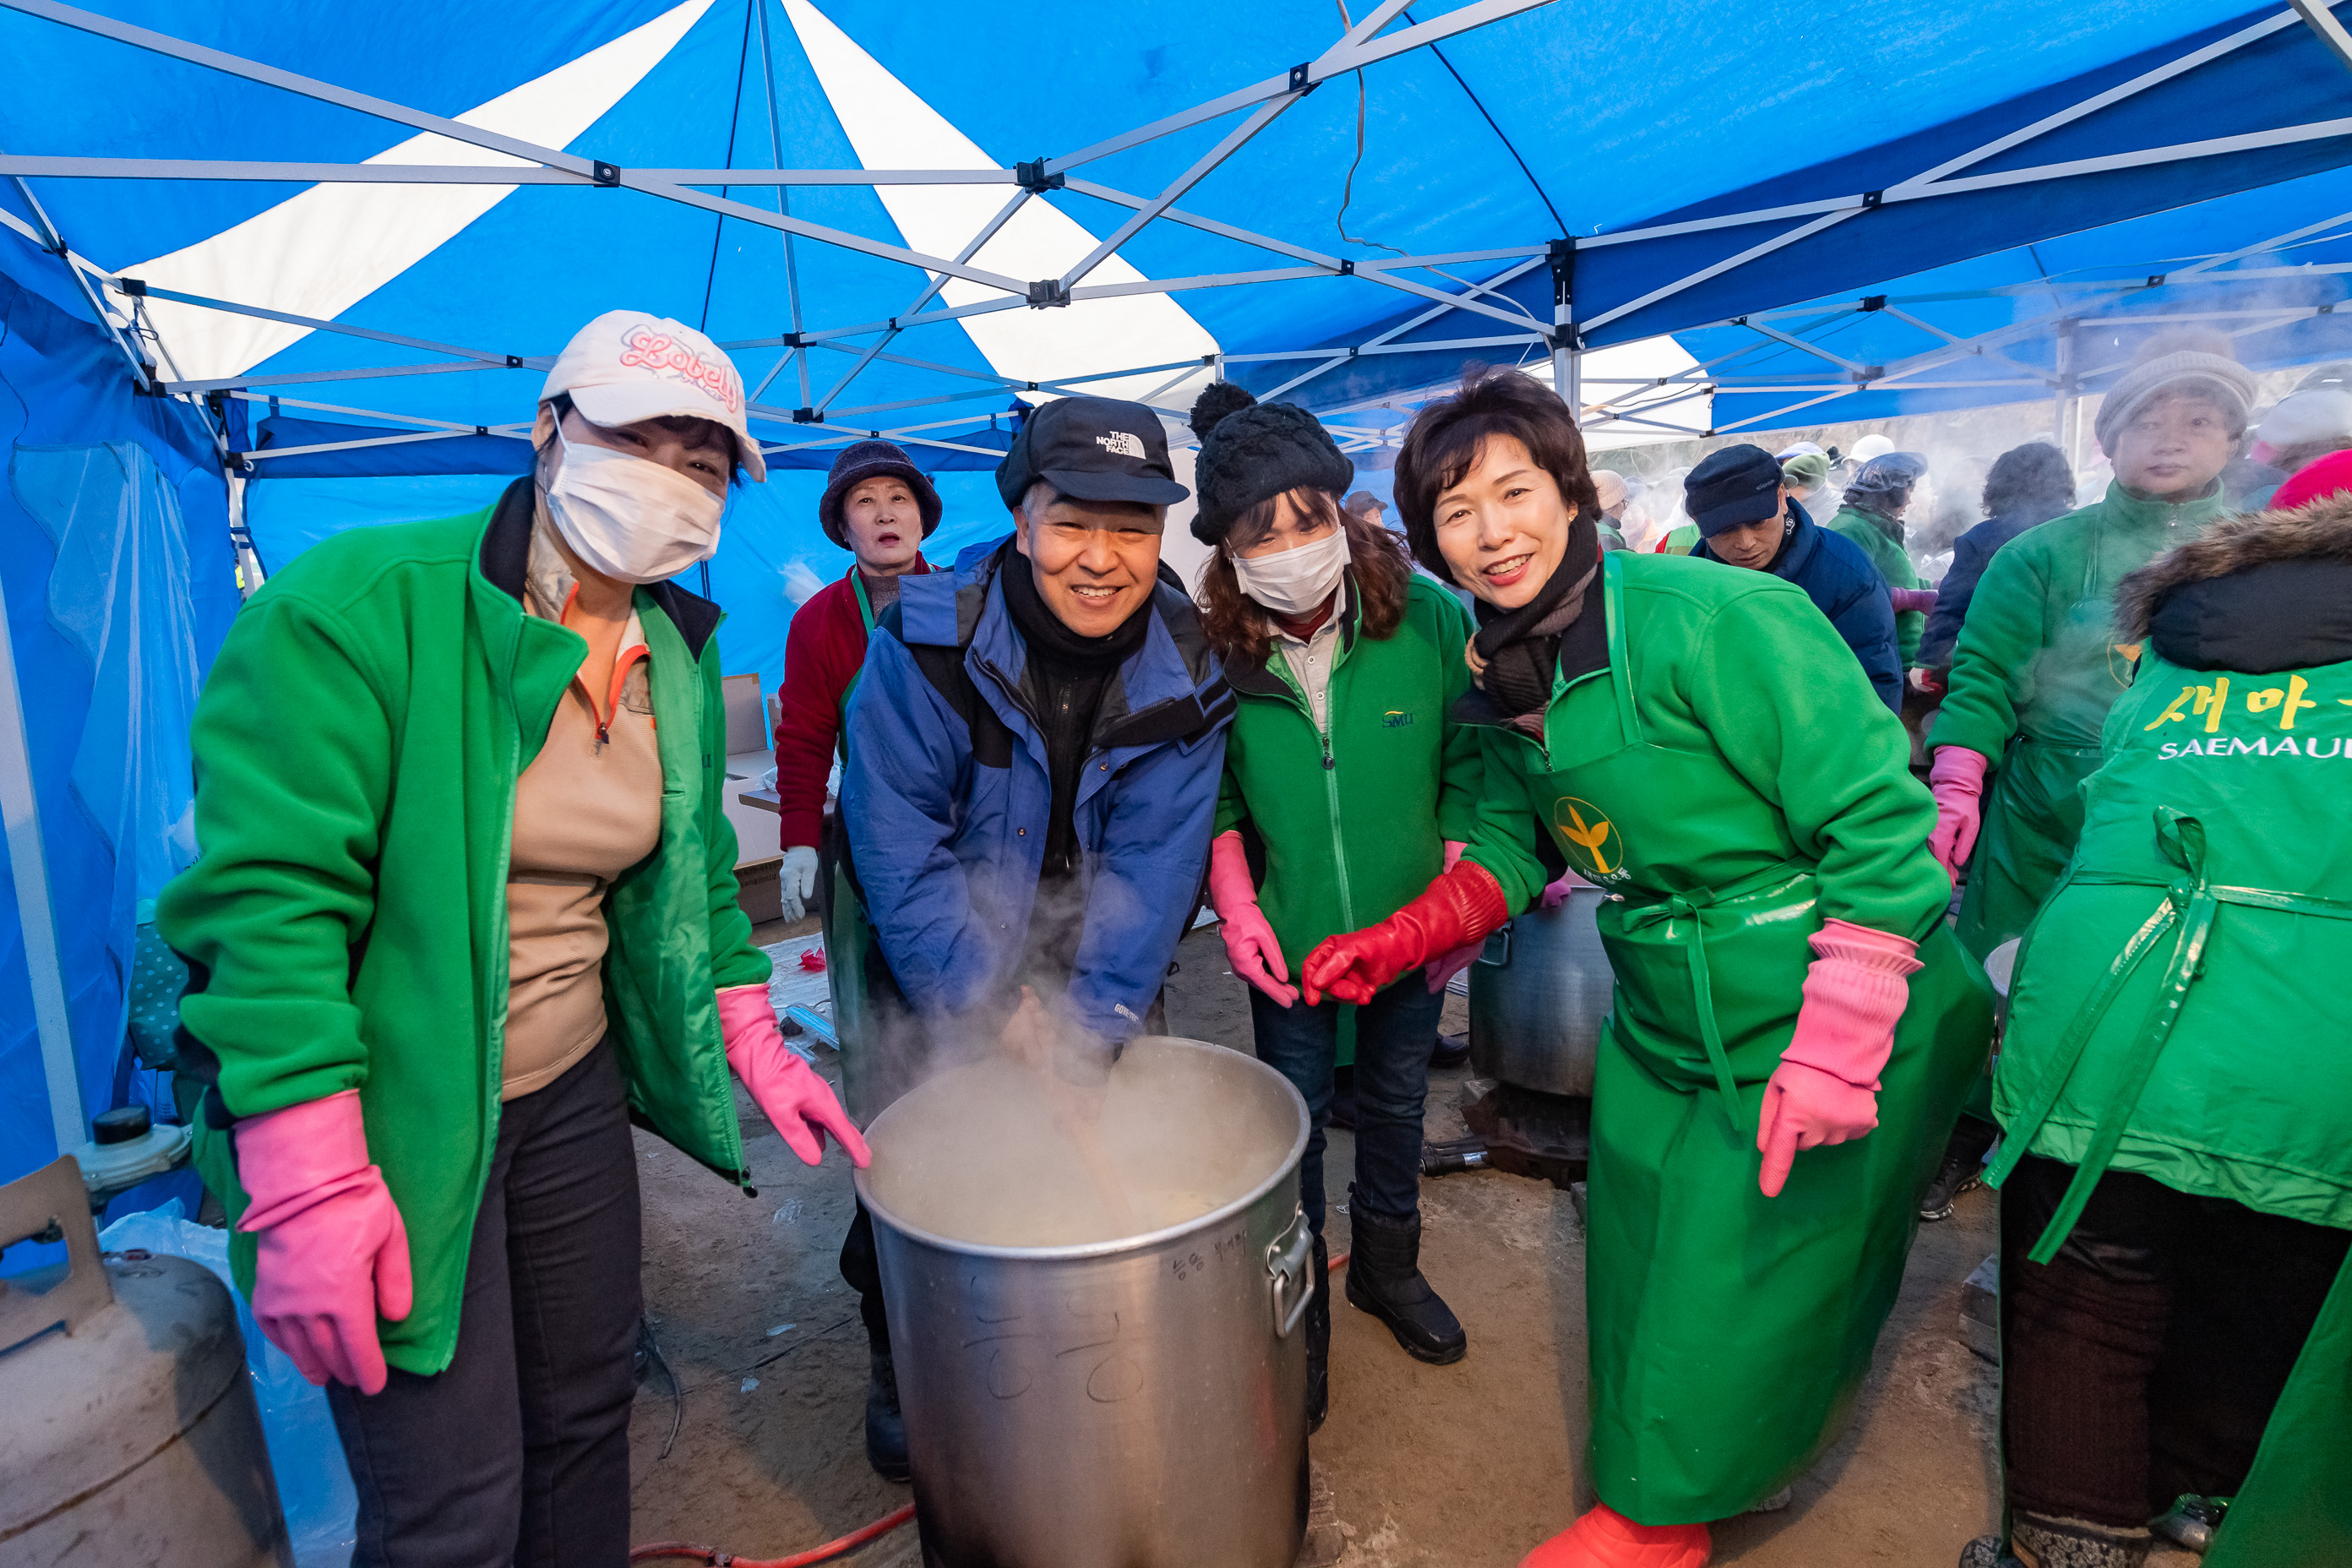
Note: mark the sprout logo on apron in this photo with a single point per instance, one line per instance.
(1589, 840)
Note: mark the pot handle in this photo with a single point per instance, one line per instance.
(1288, 1261)
(1501, 933)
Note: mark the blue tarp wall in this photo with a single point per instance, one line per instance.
(119, 582)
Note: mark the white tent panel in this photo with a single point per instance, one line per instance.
(323, 251)
(892, 127)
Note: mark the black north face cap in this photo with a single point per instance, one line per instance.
(1091, 448)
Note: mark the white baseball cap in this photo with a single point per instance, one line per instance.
(628, 365)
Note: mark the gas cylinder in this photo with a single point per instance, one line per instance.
(131, 1434)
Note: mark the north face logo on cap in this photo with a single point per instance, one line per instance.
(1119, 443)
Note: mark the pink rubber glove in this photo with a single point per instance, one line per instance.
(1556, 894)
(334, 1254)
(1825, 1089)
(1443, 969)
(1956, 779)
(1250, 946)
(1906, 600)
(786, 1088)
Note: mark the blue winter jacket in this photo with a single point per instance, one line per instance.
(1839, 578)
(946, 799)
(1971, 553)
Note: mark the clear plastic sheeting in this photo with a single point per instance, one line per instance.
(118, 592)
(119, 583)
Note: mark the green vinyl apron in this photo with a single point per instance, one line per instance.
(2189, 932)
(2033, 811)
(1728, 1332)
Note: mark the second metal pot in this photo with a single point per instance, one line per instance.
(1538, 995)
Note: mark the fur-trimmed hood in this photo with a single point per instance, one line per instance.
(2260, 591)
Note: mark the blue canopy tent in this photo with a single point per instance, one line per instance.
(907, 220)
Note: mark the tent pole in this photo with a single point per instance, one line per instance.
(2065, 405)
(1566, 342)
(29, 867)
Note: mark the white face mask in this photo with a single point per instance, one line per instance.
(630, 518)
(1297, 580)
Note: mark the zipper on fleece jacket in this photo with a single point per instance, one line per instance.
(1331, 784)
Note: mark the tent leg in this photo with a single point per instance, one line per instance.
(2066, 403)
(29, 865)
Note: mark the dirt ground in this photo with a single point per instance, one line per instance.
(1463, 1467)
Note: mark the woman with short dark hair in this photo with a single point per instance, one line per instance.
(1348, 787)
(2028, 486)
(1700, 743)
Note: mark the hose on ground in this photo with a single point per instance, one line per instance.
(831, 1550)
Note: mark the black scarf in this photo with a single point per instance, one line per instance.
(1521, 647)
(1065, 683)
(1044, 631)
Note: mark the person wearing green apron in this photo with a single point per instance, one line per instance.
(2037, 663)
(1870, 517)
(1697, 741)
(2176, 1171)
(878, 506)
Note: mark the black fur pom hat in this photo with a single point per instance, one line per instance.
(1252, 451)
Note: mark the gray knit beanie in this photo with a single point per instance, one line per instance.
(2200, 363)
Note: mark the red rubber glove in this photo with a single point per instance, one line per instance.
(332, 1252)
(1250, 946)
(1907, 600)
(1825, 1089)
(1956, 779)
(1459, 907)
(786, 1088)
(1441, 970)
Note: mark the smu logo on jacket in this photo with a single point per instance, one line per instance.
(1589, 840)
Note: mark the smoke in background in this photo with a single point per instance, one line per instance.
(1960, 447)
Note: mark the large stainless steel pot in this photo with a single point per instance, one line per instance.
(1538, 994)
(1131, 1403)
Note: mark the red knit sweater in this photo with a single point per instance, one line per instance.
(823, 653)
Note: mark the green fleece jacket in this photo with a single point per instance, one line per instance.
(1347, 828)
(2037, 654)
(1894, 563)
(356, 749)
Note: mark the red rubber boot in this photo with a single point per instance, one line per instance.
(1607, 1539)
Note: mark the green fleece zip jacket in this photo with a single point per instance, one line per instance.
(1347, 828)
(2038, 654)
(356, 750)
(1893, 563)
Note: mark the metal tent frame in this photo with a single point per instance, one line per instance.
(119, 300)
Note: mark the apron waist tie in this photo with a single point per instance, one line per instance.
(2190, 902)
(1685, 907)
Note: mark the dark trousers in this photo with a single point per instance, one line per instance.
(1394, 1033)
(2143, 1361)
(519, 1452)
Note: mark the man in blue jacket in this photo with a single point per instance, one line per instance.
(1747, 518)
(1033, 750)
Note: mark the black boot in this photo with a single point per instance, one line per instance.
(1384, 1279)
(886, 1427)
(1318, 1340)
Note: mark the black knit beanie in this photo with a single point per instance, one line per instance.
(1252, 451)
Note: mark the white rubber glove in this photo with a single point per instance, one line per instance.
(796, 880)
